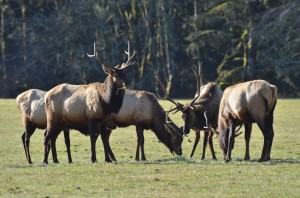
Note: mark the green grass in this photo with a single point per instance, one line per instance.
(163, 175)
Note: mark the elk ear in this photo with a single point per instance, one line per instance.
(108, 70)
(198, 107)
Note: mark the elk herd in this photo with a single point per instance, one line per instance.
(98, 108)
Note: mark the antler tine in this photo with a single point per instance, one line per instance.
(95, 55)
(92, 55)
(191, 103)
(129, 61)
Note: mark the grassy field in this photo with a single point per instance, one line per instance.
(163, 175)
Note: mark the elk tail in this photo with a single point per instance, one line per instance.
(273, 100)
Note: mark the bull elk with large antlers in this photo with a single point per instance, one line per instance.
(83, 107)
(247, 103)
(202, 112)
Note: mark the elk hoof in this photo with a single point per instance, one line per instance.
(264, 159)
(56, 161)
(93, 160)
(45, 161)
(246, 158)
(227, 160)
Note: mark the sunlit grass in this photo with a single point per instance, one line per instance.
(162, 175)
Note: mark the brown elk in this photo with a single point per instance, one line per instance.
(201, 113)
(247, 103)
(32, 109)
(141, 108)
(83, 107)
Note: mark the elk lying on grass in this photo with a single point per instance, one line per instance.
(83, 107)
(32, 108)
(247, 103)
(141, 108)
(206, 103)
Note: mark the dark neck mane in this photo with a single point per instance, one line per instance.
(111, 96)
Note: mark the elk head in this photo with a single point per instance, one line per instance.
(188, 110)
(117, 73)
(176, 135)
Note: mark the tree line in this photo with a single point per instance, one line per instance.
(44, 43)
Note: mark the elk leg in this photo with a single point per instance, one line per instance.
(67, 143)
(53, 147)
(92, 128)
(230, 140)
(26, 140)
(204, 144)
(248, 130)
(46, 147)
(23, 141)
(105, 134)
(268, 157)
(197, 138)
(110, 152)
(141, 141)
(268, 139)
(211, 145)
(268, 134)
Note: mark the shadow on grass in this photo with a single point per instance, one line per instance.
(166, 161)
(273, 161)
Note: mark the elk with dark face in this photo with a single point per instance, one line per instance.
(247, 103)
(201, 113)
(32, 108)
(83, 107)
(141, 108)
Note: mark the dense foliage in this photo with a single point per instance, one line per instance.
(44, 43)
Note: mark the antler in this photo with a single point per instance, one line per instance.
(178, 106)
(197, 72)
(129, 59)
(95, 55)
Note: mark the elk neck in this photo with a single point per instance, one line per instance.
(157, 125)
(111, 96)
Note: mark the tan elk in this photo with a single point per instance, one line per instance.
(201, 113)
(83, 107)
(247, 103)
(32, 109)
(141, 108)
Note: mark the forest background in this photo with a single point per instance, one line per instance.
(44, 43)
